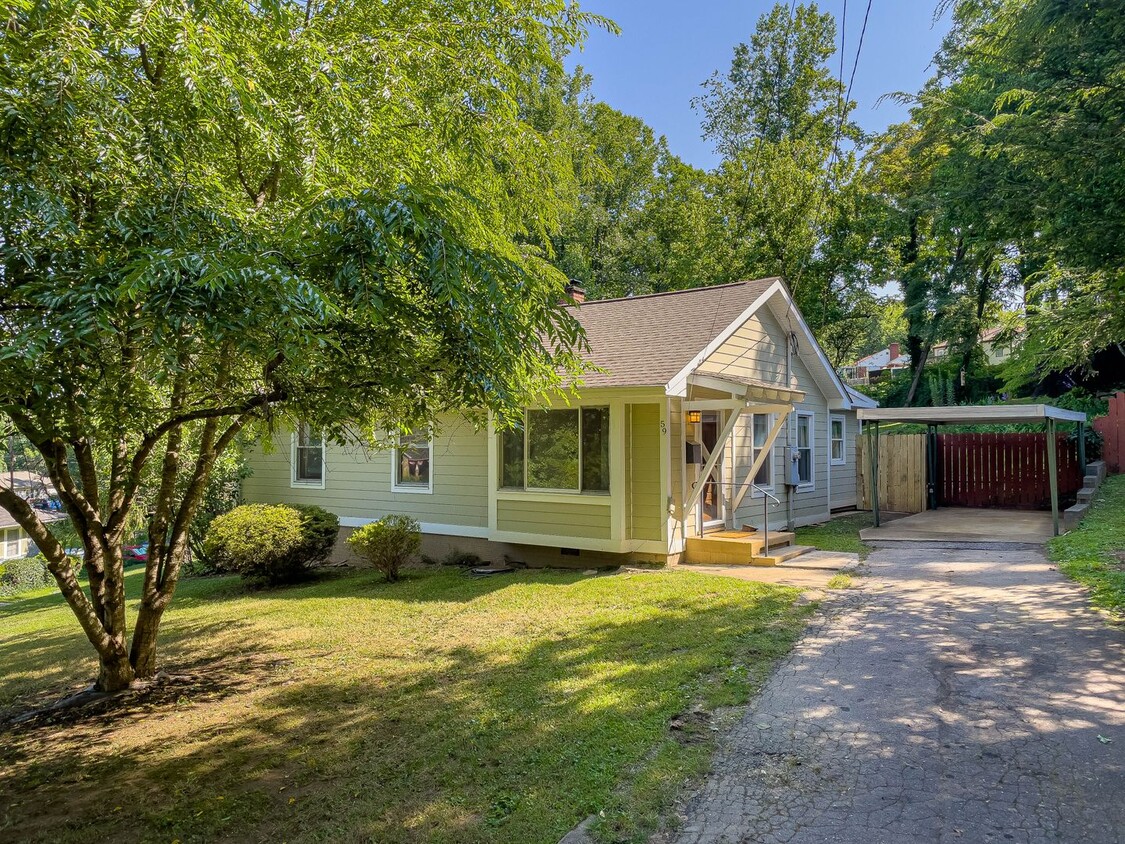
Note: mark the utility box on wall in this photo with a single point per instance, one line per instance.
(693, 453)
(792, 466)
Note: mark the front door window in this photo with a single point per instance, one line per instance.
(711, 499)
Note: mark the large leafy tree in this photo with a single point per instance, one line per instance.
(1023, 129)
(219, 217)
(789, 185)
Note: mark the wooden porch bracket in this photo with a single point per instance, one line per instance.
(709, 466)
(763, 453)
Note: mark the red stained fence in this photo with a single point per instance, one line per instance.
(1112, 429)
(1004, 470)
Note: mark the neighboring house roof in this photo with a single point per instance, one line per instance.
(645, 341)
(882, 359)
(6, 520)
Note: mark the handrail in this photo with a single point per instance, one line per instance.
(765, 492)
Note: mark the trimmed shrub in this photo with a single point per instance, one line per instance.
(321, 529)
(388, 543)
(265, 543)
(24, 574)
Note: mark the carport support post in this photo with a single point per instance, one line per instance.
(931, 465)
(1053, 468)
(1082, 449)
(875, 471)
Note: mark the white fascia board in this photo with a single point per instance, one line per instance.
(822, 359)
(677, 386)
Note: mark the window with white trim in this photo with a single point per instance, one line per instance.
(805, 448)
(558, 450)
(11, 544)
(837, 442)
(308, 457)
(411, 462)
(760, 431)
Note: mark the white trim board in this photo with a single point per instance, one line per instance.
(434, 528)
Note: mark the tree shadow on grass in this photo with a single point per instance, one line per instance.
(483, 741)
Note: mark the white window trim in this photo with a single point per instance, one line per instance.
(414, 489)
(843, 459)
(810, 484)
(297, 483)
(768, 487)
(554, 491)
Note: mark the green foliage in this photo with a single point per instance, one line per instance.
(220, 218)
(387, 543)
(320, 528)
(1094, 552)
(838, 534)
(990, 188)
(23, 574)
(223, 493)
(268, 544)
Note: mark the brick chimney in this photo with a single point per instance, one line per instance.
(576, 292)
(894, 350)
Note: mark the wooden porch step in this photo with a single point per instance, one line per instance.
(733, 547)
(780, 556)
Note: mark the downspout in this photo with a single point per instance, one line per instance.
(788, 432)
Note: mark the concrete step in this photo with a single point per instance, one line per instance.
(780, 556)
(1085, 494)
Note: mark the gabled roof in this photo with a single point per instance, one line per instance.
(644, 341)
(660, 340)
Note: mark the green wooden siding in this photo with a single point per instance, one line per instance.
(645, 497)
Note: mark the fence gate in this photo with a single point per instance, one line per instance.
(902, 473)
(1112, 429)
(1003, 470)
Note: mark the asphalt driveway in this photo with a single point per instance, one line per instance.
(956, 696)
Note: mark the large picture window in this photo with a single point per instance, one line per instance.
(805, 448)
(411, 463)
(308, 457)
(565, 450)
(760, 431)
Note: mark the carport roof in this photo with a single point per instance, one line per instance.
(998, 414)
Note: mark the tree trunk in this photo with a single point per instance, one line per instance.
(115, 672)
(142, 654)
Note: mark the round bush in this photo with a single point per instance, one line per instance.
(320, 529)
(388, 543)
(24, 574)
(262, 542)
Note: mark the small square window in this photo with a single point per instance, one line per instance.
(411, 463)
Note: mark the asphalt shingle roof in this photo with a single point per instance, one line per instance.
(643, 341)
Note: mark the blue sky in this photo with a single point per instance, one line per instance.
(668, 47)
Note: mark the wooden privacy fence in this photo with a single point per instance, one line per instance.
(973, 470)
(902, 473)
(1112, 429)
(1003, 470)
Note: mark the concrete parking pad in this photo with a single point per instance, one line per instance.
(965, 524)
(955, 696)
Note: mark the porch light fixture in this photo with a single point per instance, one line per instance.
(694, 417)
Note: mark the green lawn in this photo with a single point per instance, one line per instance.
(1094, 552)
(438, 709)
(839, 534)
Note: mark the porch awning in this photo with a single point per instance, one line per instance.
(750, 389)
